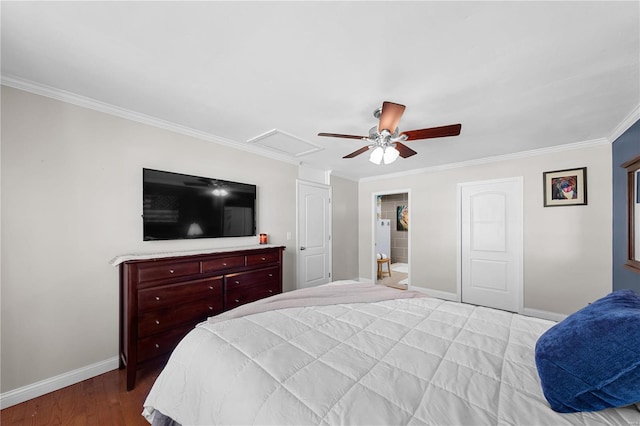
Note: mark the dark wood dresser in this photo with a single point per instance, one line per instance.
(163, 298)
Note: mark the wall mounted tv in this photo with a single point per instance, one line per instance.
(178, 206)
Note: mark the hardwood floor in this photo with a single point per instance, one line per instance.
(102, 400)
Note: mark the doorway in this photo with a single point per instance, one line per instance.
(491, 243)
(391, 238)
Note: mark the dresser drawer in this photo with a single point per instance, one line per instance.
(177, 294)
(157, 321)
(266, 258)
(161, 344)
(222, 263)
(167, 270)
(243, 279)
(244, 294)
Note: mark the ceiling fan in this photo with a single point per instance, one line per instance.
(385, 139)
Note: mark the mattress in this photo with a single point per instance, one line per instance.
(409, 361)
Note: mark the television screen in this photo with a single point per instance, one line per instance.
(178, 206)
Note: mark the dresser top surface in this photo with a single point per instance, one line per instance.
(144, 256)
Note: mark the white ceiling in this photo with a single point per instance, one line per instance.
(517, 75)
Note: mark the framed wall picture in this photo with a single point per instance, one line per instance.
(402, 218)
(565, 187)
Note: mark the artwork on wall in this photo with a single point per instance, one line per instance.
(403, 218)
(565, 187)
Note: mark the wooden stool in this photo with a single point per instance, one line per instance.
(381, 272)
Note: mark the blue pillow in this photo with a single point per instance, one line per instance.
(591, 360)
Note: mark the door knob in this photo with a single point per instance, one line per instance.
(303, 248)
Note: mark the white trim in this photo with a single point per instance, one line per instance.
(494, 159)
(530, 312)
(436, 293)
(459, 242)
(625, 124)
(551, 316)
(43, 387)
(85, 102)
(309, 173)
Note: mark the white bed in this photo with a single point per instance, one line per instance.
(397, 361)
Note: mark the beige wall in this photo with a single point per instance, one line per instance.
(567, 250)
(344, 205)
(72, 200)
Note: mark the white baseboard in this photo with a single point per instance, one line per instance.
(551, 316)
(537, 313)
(40, 388)
(436, 293)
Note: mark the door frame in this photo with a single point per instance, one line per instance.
(374, 265)
(519, 181)
(300, 182)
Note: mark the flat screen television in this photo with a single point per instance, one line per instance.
(178, 206)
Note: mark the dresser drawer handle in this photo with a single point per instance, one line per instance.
(211, 308)
(157, 346)
(270, 291)
(270, 275)
(237, 282)
(264, 258)
(224, 263)
(171, 271)
(157, 321)
(237, 300)
(157, 297)
(210, 287)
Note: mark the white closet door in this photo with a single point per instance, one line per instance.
(492, 243)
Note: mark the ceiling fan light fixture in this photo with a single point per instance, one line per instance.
(385, 141)
(390, 155)
(376, 155)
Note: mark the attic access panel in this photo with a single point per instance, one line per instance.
(284, 143)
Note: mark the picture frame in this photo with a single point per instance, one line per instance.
(565, 187)
(402, 216)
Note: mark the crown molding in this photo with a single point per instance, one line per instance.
(493, 159)
(93, 104)
(89, 103)
(625, 124)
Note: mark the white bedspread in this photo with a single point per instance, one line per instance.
(409, 361)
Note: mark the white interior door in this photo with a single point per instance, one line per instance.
(491, 243)
(314, 234)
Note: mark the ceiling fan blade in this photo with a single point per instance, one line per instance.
(433, 132)
(390, 116)
(338, 135)
(358, 152)
(404, 150)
